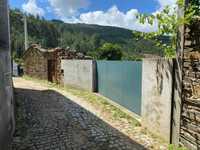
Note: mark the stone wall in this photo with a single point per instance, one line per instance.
(7, 123)
(35, 65)
(157, 96)
(190, 116)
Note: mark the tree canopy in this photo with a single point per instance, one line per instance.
(109, 51)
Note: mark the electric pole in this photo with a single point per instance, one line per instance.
(25, 33)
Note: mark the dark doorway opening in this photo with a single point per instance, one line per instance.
(51, 70)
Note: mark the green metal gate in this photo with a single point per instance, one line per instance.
(121, 82)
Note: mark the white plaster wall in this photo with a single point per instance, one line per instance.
(157, 96)
(78, 73)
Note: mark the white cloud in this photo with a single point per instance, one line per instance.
(164, 3)
(32, 8)
(67, 8)
(114, 17)
(68, 11)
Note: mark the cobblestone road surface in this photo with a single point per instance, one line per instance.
(47, 120)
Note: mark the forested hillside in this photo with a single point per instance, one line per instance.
(81, 37)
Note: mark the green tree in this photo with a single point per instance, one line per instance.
(168, 22)
(109, 51)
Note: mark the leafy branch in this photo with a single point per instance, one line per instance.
(168, 22)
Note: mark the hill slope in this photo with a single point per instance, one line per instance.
(82, 37)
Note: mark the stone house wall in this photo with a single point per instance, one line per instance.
(35, 65)
(190, 115)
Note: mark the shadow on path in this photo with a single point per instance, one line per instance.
(47, 120)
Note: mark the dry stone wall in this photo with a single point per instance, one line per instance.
(35, 65)
(190, 116)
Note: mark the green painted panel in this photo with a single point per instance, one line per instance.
(121, 82)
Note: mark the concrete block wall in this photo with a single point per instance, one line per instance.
(6, 90)
(79, 73)
(157, 79)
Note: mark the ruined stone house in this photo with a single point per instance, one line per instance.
(45, 64)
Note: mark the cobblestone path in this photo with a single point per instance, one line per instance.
(47, 120)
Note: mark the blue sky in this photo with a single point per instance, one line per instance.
(121, 13)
